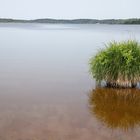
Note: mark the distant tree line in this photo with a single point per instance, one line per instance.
(74, 21)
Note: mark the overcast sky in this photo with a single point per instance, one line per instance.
(69, 9)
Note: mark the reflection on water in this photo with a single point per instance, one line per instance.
(116, 108)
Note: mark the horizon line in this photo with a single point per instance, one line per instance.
(72, 18)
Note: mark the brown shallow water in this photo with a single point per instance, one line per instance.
(46, 92)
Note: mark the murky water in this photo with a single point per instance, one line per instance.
(46, 91)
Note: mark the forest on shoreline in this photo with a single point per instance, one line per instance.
(74, 21)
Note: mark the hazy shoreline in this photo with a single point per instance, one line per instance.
(73, 21)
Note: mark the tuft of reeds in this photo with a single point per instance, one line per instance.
(118, 64)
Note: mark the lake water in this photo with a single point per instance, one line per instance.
(46, 90)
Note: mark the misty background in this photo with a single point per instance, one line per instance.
(69, 9)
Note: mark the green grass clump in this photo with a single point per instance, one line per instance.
(118, 64)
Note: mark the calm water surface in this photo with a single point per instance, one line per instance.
(46, 92)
